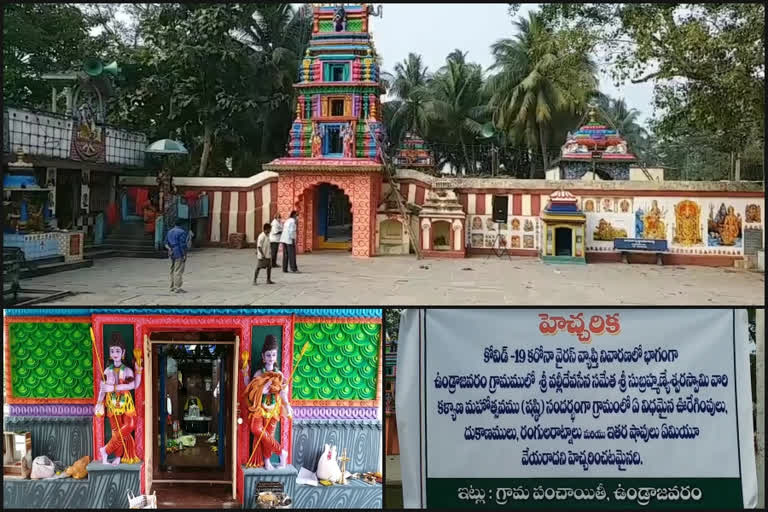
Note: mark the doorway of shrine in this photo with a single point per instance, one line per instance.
(333, 218)
(192, 394)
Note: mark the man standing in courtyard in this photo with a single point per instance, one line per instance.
(263, 254)
(274, 237)
(176, 243)
(288, 241)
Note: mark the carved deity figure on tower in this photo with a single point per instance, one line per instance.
(115, 394)
(349, 141)
(317, 142)
(266, 399)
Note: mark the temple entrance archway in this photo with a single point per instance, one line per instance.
(300, 192)
(333, 218)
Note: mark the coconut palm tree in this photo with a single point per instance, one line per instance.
(276, 36)
(457, 108)
(409, 86)
(539, 78)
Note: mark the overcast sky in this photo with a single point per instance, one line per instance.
(434, 30)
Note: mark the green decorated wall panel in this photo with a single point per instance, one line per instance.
(51, 360)
(341, 361)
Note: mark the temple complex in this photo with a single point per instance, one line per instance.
(333, 177)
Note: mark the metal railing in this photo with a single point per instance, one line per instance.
(50, 135)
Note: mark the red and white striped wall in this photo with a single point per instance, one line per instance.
(240, 211)
(235, 205)
(480, 202)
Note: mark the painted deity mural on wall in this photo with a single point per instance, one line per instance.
(650, 222)
(687, 230)
(752, 214)
(520, 232)
(724, 226)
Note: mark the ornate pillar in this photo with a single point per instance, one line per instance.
(360, 194)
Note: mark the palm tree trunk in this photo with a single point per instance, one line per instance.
(532, 161)
(544, 157)
(207, 146)
(466, 155)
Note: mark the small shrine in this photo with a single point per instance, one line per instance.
(442, 220)
(597, 149)
(414, 154)
(332, 173)
(392, 236)
(564, 230)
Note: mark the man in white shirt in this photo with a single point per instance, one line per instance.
(274, 237)
(263, 255)
(288, 241)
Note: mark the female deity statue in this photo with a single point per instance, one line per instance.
(267, 399)
(115, 393)
(317, 143)
(349, 142)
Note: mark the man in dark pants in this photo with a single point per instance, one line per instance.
(288, 241)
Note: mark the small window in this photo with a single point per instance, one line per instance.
(336, 72)
(337, 108)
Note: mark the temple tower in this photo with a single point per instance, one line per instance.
(333, 159)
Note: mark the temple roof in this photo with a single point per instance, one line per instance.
(563, 203)
(413, 153)
(595, 141)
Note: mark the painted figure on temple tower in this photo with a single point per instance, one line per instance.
(349, 141)
(267, 400)
(115, 395)
(317, 142)
(340, 20)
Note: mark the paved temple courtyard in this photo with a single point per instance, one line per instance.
(223, 277)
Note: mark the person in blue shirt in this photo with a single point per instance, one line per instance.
(177, 245)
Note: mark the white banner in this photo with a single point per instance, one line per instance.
(588, 394)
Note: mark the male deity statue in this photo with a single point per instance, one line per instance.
(115, 393)
(266, 400)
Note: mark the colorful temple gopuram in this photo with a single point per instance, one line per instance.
(333, 177)
(335, 137)
(202, 372)
(595, 148)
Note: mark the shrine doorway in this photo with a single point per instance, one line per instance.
(192, 393)
(563, 241)
(333, 218)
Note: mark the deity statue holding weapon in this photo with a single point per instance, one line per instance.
(115, 394)
(266, 399)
